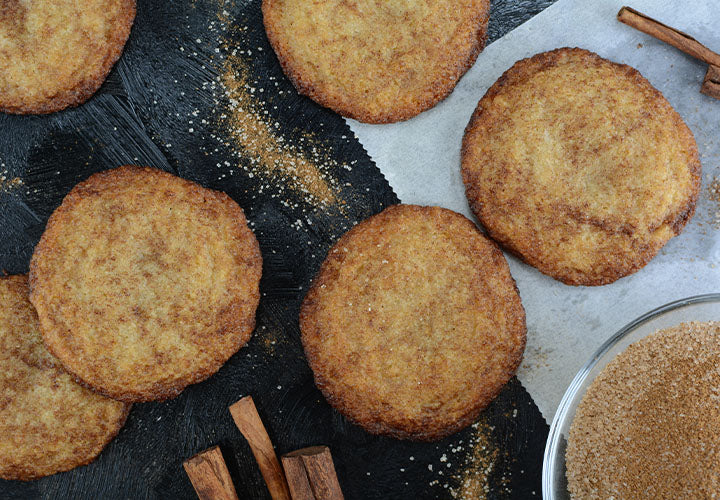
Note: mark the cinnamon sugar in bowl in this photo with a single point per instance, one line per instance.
(649, 424)
(642, 419)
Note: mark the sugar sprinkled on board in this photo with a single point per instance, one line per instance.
(473, 478)
(270, 338)
(256, 136)
(473, 462)
(262, 144)
(8, 183)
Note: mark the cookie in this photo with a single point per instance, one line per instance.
(56, 53)
(145, 283)
(413, 323)
(579, 166)
(372, 60)
(48, 423)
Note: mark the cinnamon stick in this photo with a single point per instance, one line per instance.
(297, 478)
(667, 34)
(209, 475)
(320, 472)
(711, 84)
(248, 421)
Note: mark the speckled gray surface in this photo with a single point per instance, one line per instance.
(421, 160)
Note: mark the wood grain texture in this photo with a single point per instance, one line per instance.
(209, 475)
(248, 420)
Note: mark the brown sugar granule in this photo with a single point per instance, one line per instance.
(255, 135)
(251, 130)
(472, 480)
(649, 425)
(7, 184)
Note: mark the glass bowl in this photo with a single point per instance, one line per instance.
(698, 308)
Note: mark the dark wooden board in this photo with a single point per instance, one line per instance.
(142, 115)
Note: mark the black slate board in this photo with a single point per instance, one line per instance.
(142, 115)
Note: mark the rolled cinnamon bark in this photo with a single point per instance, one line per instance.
(248, 421)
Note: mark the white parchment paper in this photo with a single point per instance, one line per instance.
(421, 160)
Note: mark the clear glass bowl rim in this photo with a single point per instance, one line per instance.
(561, 414)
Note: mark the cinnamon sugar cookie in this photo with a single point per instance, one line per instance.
(56, 53)
(413, 324)
(377, 61)
(145, 283)
(48, 423)
(579, 166)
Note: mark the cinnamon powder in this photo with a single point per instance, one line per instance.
(268, 152)
(649, 424)
(250, 129)
(473, 479)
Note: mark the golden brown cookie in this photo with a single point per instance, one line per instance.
(413, 323)
(56, 53)
(48, 423)
(145, 283)
(374, 60)
(579, 166)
